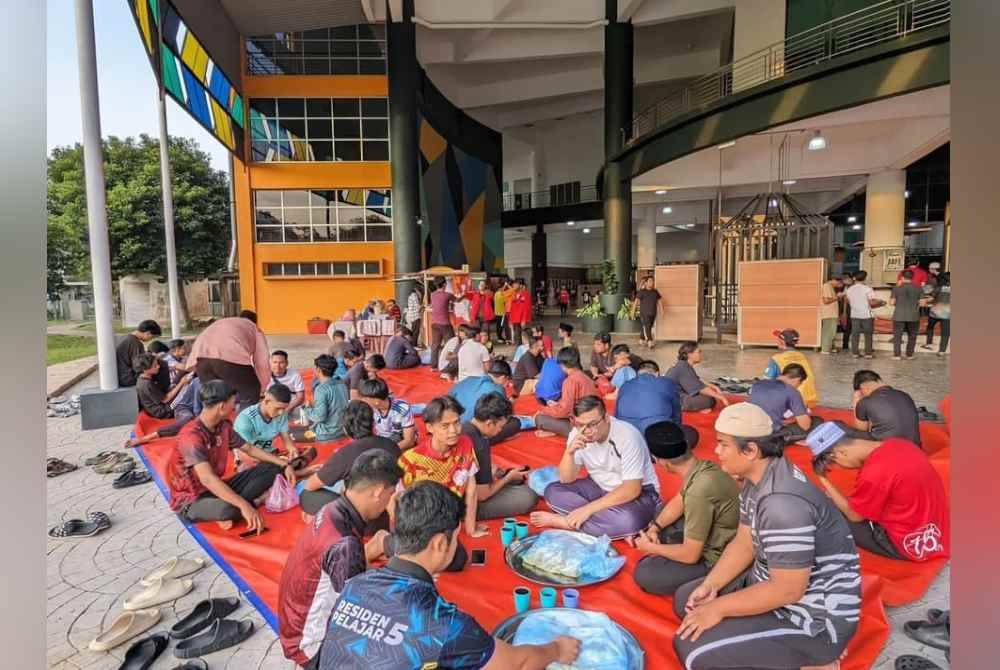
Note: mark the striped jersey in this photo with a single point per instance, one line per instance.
(794, 525)
(452, 470)
(391, 424)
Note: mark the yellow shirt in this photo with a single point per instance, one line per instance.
(502, 300)
(806, 388)
(831, 310)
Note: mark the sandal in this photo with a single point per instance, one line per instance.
(140, 656)
(57, 466)
(132, 478)
(204, 615)
(173, 568)
(193, 664)
(124, 628)
(303, 459)
(77, 528)
(115, 465)
(94, 460)
(223, 633)
(911, 662)
(937, 616)
(159, 592)
(934, 634)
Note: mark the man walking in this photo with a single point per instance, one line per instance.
(861, 299)
(650, 306)
(441, 330)
(906, 298)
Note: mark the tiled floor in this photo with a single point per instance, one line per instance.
(88, 579)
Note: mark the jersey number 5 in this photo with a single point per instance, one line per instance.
(395, 635)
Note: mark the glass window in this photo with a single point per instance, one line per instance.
(379, 234)
(353, 49)
(320, 129)
(371, 66)
(376, 151)
(374, 107)
(316, 65)
(352, 233)
(269, 234)
(344, 65)
(346, 128)
(373, 268)
(291, 107)
(323, 216)
(308, 268)
(295, 198)
(347, 150)
(323, 269)
(318, 108)
(346, 107)
(375, 129)
(290, 269)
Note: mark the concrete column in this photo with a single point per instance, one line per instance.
(404, 80)
(646, 242)
(618, 97)
(168, 219)
(885, 208)
(758, 24)
(97, 218)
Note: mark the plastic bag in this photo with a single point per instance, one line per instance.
(282, 496)
(571, 555)
(603, 645)
(542, 477)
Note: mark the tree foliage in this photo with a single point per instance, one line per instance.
(135, 211)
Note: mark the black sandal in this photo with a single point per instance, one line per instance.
(132, 478)
(78, 528)
(203, 615)
(223, 633)
(911, 662)
(303, 459)
(193, 664)
(140, 656)
(934, 634)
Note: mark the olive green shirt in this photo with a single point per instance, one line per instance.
(711, 508)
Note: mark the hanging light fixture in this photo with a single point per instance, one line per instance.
(817, 142)
(856, 226)
(661, 191)
(852, 219)
(789, 182)
(668, 209)
(571, 223)
(586, 231)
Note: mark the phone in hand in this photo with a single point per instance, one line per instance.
(477, 558)
(252, 533)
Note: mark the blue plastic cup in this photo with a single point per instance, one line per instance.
(522, 599)
(509, 522)
(521, 529)
(507, 535)
(548, 597)
(571, 598)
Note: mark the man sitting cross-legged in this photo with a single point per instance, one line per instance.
(649, 399)
(502, 493)
(786, 592)
(554, 418)
(689, 534)
(446, 456)
(781, 399)
(421, 630)
(696, 395)
(620, 493)
(359, 425)
(528, 368)
(468, 392)
(393, 417)
(330, 550)
(259, 425)
(400, 354)
(788, 340)
(199, 459)
(152, 398)
(185, 406)
(328, 403)
(621, 369)
(898, 508)
(280, 374)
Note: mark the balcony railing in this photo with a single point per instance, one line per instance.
(866, 27)
(550, 198)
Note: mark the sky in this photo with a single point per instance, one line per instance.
(126, 83)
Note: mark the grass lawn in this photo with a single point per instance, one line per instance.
(62, 348)
(116, 325)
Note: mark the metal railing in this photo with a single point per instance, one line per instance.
(515, 201)
(872, 25)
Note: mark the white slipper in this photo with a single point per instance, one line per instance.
(159, 592)
(173, 568)
(124, 628)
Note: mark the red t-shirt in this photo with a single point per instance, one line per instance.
(547, 345)
(453, 470)
(920, 275)
(441, 302)
(564, 297)
(899, 489)
(486, 305)
(197, 444)
(520, 307)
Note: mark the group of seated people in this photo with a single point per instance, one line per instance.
(761, 563)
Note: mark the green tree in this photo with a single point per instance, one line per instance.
(135, 211)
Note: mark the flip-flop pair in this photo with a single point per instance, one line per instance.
(116, 462)
(142, 654)
(934, 632)
(57, 466)
(132, 478)
(96, 523)
(911, 662)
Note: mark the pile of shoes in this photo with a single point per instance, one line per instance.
(202, 631)
(734, 385)
(97, 522)
(62, 407)
(111, 462)
(935, 632)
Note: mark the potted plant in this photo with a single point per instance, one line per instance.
(610, 299)
(317, 326)
(593, 318)
(627, 319)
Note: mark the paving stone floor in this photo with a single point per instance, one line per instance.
(88, 579)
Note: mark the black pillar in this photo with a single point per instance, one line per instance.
(618, 75)
(539, 258)
(404, 81)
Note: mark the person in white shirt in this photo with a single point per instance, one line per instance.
(473, 356)
(861, 299)
(620, 494)
(280, 374)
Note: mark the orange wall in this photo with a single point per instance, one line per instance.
(284, 305)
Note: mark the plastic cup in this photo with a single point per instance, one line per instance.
(509, 522)
(506, 535)
(521, 529)
(522, 599)
(571, 598)
(548, 597)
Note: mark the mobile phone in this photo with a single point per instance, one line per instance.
(252, 533)
(477, 558)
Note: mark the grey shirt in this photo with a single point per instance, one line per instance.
(907, 299)
(793, 525)
(686, 379)
(892, 413)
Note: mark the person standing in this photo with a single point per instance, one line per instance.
(906, 299)
(131, 346)
(829, 312)
(234, 350)
(520, 309)
(441, 330)
(563, 302)
(861, 298)
(485, 315)
(414, 314)
(650, 305)
(500, 298)
(845, 311)
(940, 313)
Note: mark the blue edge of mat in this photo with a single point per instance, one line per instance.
(241, 583)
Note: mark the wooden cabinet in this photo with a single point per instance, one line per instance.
(774, 295)
(681, 289)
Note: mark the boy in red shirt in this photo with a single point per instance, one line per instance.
(898, 508)
(520, 308)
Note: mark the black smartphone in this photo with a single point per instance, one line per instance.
(252, 533)
(477, 558)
